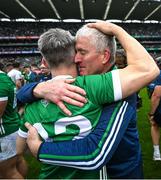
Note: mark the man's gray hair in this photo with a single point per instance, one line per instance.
(57, 47)
(99, 40)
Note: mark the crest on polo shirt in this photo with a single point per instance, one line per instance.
(44, 102)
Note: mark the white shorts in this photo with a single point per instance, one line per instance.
(8, 146)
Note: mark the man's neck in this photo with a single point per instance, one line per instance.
(109, 68)
(64, 71)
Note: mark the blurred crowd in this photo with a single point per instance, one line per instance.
(24, 50)
(37, 28)
(22, 73)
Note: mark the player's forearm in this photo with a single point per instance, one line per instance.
(141, 69)
(137, 56)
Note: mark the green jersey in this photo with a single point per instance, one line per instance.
(53, 125)
(10, 120)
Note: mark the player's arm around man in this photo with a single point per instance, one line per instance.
(137, 74)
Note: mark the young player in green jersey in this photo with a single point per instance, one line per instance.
(56, 126)
(9, 124)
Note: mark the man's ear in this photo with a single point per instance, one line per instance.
(106, 57)
(43, 61)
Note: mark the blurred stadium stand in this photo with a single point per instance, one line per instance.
(18, 40)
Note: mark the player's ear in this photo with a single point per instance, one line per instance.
(43, 61)
(106, 56)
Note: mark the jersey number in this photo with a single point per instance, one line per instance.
(60, 126)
